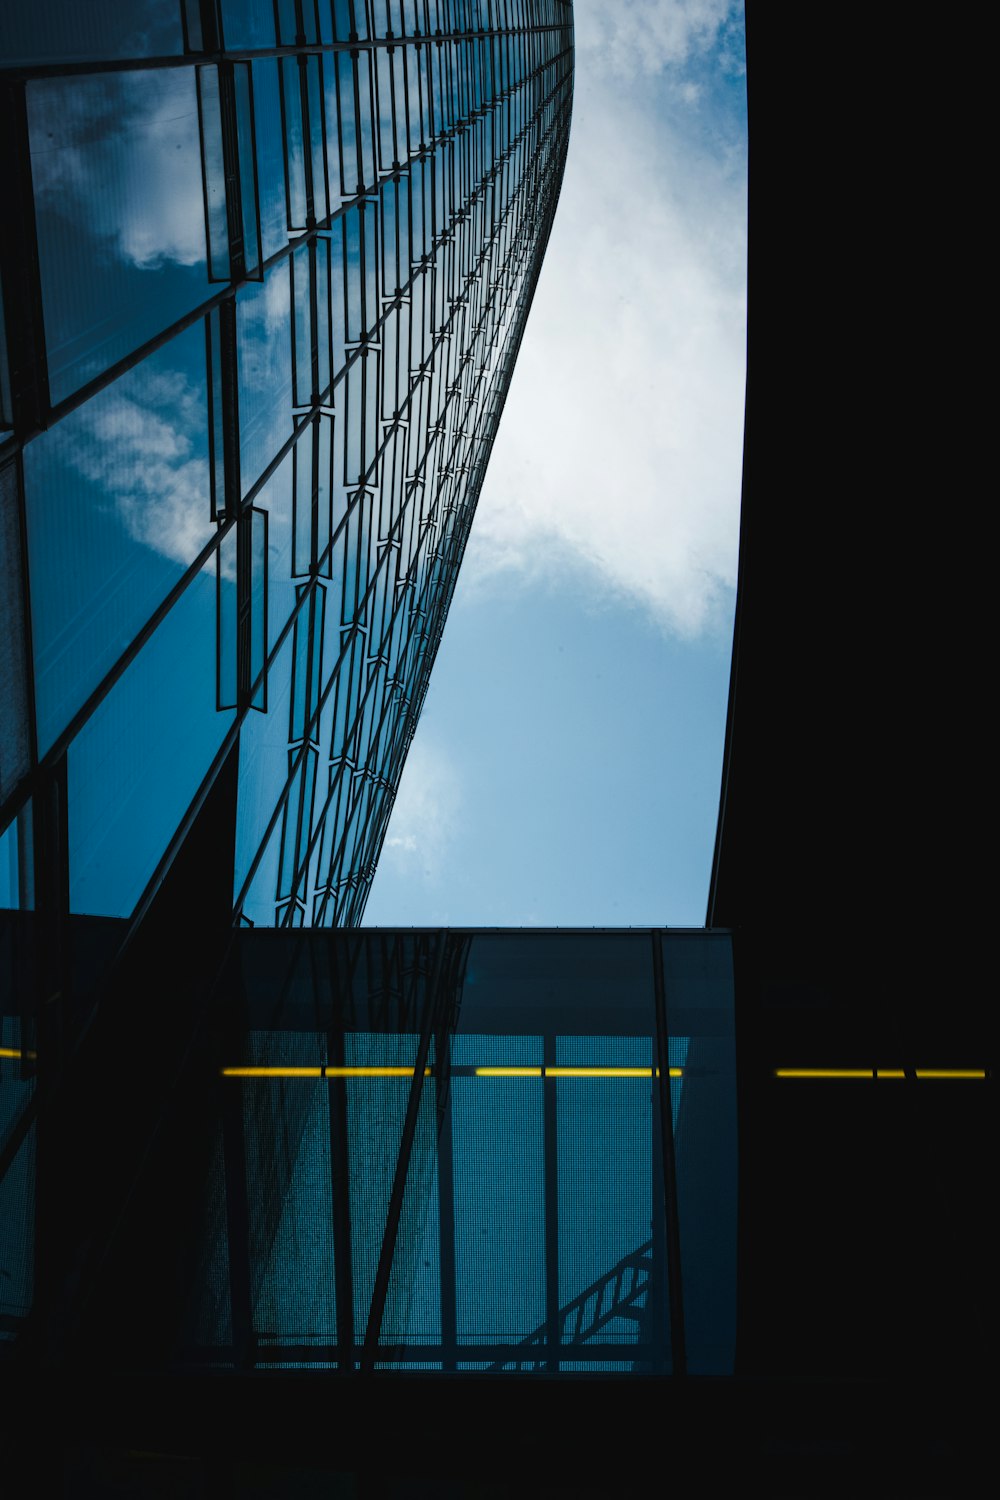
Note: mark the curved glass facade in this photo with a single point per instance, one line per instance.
(265, 273)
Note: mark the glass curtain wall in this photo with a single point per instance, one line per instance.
(461, 1152)
(265, 272)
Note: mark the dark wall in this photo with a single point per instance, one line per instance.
(857, 773)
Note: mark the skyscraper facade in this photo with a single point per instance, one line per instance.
(265, 272)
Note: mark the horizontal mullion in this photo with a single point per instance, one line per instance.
(27, 72)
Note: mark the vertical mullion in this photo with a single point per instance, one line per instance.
(20, 272)
(551, 1181)
(307, 161)
(675, 1290)
(340, 1162)
(231, 167)
(657, 1309)
(446, 1201)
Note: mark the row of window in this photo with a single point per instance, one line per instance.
(51, 31)
(150, 186)
(399, 606)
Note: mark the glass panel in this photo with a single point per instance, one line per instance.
(116, 167)
(498, 1165)
(226, 564)
(16, 864)
(248, 23)
(137, 763)
(317, 137)
(118, 505)
(303, 281)
(287, 1132)
(291, 100)
(243, 87)
(14, 726)
(270, 155)
(376, 1107)
(309, 625)
(258, 609)
(384, 99)
(262, 774)
(264, 358)
(343, 20)
(366, 121)
(276, 499)
(214, 168)
(342, 74)
(286, 21)
(215, 335)
(609, 1193)
(68, 31)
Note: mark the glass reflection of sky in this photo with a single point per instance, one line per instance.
(117, 504)
(116, 169)
(132, 775)
(78, 30)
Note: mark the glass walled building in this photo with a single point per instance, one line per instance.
(265, 272)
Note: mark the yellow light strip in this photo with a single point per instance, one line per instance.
(878, 1073)
(328, 1072)
(823, 1073)
(598, 1072)
(272, 1072)
(508, 1072)
(573, 1072)
(13, 1052)
(373, 1072)
(951, 1072)
(394, 1072)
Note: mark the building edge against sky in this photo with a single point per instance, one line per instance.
(265, 275)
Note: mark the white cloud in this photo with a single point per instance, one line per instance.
(631, 37)
(120, 153)
(146, 464)
(620, 448)
(425, 813)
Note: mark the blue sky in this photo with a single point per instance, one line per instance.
(567, 764)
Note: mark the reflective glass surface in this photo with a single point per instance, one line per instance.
(139, 760)
(489, 1104)
(117, 499)
(279, 297)
(14, 720)
(82, 30)
(116, 170)
(264, 350)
